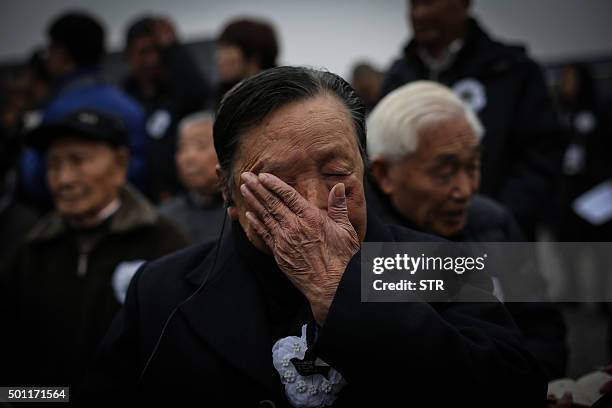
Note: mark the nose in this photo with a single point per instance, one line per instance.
(418, 10)
(463, 187)
(65, 174)
(315, 192)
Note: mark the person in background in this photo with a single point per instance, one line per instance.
(199, 211)
(16, 218)
(75, 50)
(164, 78)
(586, 164)
(367, 82)
(523, 143)
(69, 278)
(26, 94)
(424, 146)
(245, 47)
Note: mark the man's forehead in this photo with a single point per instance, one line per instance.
(202, 129)
(73, 144)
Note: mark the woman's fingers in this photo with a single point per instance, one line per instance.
(263, 201)
(289, 196)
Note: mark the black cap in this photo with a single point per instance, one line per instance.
(87, 124)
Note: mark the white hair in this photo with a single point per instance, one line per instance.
(193, 119)
(395, 123)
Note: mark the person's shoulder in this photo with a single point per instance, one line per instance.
(488, 208)
(105, 97)
(165, 224)
(171, 207)
(170, 271)
(509, 51)
(405, 234)
(489, 220)
(123, 100)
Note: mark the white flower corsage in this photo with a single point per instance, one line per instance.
(308, 391)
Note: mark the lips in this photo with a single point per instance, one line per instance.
(455, 216)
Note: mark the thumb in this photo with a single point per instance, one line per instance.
(336, 204)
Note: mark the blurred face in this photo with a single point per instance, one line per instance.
(310, 145)
(437, 22)
(569, 82)
(196, 158)
(433, 187)
(144, 59)
(232, 64)
(368, 88)
(58, 61)
(84, 177)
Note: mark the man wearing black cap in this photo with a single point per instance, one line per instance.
(70, 277)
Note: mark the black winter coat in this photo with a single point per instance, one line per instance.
(216, 350)
(57, 302)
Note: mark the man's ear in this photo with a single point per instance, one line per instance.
(381, 170)
(232, 211)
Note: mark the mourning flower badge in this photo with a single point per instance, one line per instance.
(309, 381)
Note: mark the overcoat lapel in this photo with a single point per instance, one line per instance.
(228, 314)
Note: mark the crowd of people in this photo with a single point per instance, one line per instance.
(164, 237)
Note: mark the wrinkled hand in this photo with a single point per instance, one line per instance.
(311, 246)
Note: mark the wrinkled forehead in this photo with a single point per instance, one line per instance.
(449, 139)
(314, 131)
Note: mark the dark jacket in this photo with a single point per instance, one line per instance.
(523, 140)
(542, 324)
(216, 350)
(57, 303)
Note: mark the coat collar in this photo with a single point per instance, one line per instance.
(134, 212)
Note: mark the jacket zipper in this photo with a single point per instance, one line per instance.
(82, 264)
(83, 261)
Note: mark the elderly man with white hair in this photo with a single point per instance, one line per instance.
(424, 149)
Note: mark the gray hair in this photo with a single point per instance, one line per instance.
(395, 123)
(194, 119)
